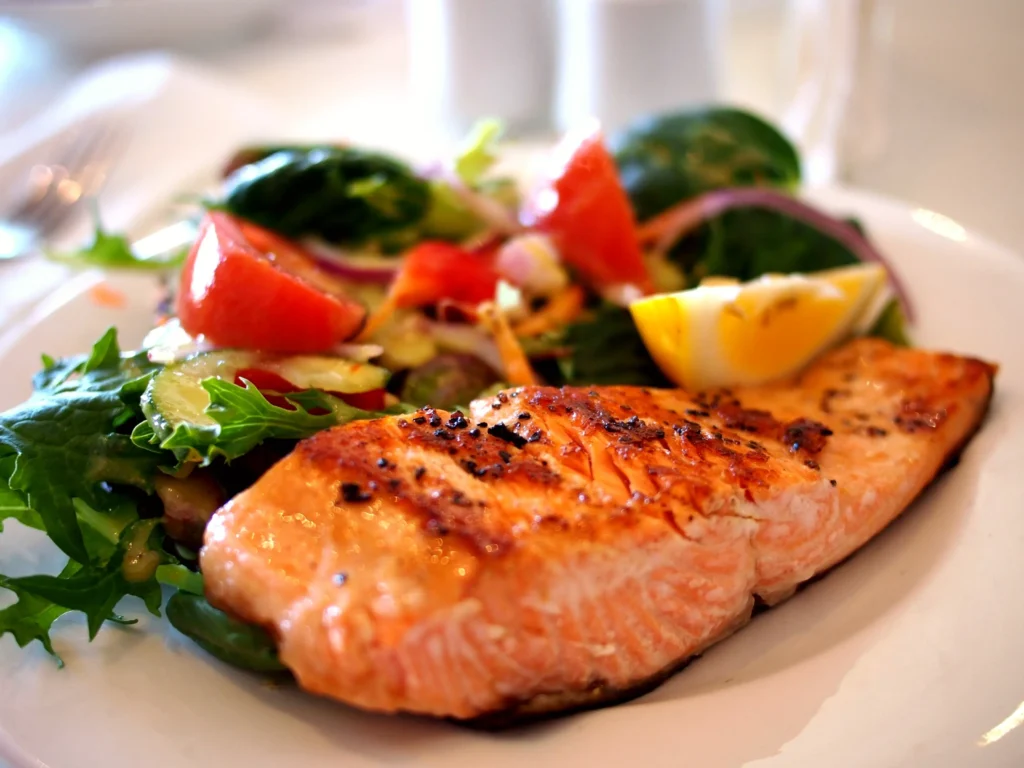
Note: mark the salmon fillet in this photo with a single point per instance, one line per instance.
(560, 548)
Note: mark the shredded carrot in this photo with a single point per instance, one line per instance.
(105, 296)
(517, 366)
(564, 307)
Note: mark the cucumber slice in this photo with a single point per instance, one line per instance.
(330, 374)
(176, 396)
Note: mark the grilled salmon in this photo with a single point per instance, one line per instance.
(555, 549)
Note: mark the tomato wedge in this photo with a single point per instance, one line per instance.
(584, 209)
(374, 400)
(434, 271)
(245, 287)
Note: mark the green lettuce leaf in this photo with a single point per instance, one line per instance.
(77, 461)
(31, 617)
(478, 154)
(245, 418)
(109, 251)
(96, 589)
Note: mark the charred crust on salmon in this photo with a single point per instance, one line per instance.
(547, 706)
(806, 435)
(506, 435)
(352, 493)
(457, 421)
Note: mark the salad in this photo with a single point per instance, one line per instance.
(333, 283)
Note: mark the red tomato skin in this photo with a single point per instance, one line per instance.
(436, 271)
(584, 209)
(374, 400)
(274, 386)
(237, 296)
(265, 381)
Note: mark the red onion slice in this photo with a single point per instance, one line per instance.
(377, 270)
(665, 229)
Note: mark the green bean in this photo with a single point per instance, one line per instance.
(232, 641)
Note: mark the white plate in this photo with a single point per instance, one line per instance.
(908, 655)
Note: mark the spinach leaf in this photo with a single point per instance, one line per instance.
(664, 159)
(604, 348)
(69, 467)
(748, 242)
(14, 505)
(340, 195)
(68, 442)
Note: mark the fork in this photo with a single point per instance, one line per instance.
(56, 190)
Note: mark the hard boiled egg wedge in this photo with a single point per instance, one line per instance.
(726, 333)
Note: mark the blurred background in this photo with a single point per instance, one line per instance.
(917, 99)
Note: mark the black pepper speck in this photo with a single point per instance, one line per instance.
(502, 432)
(457, 421)
(352, 493)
